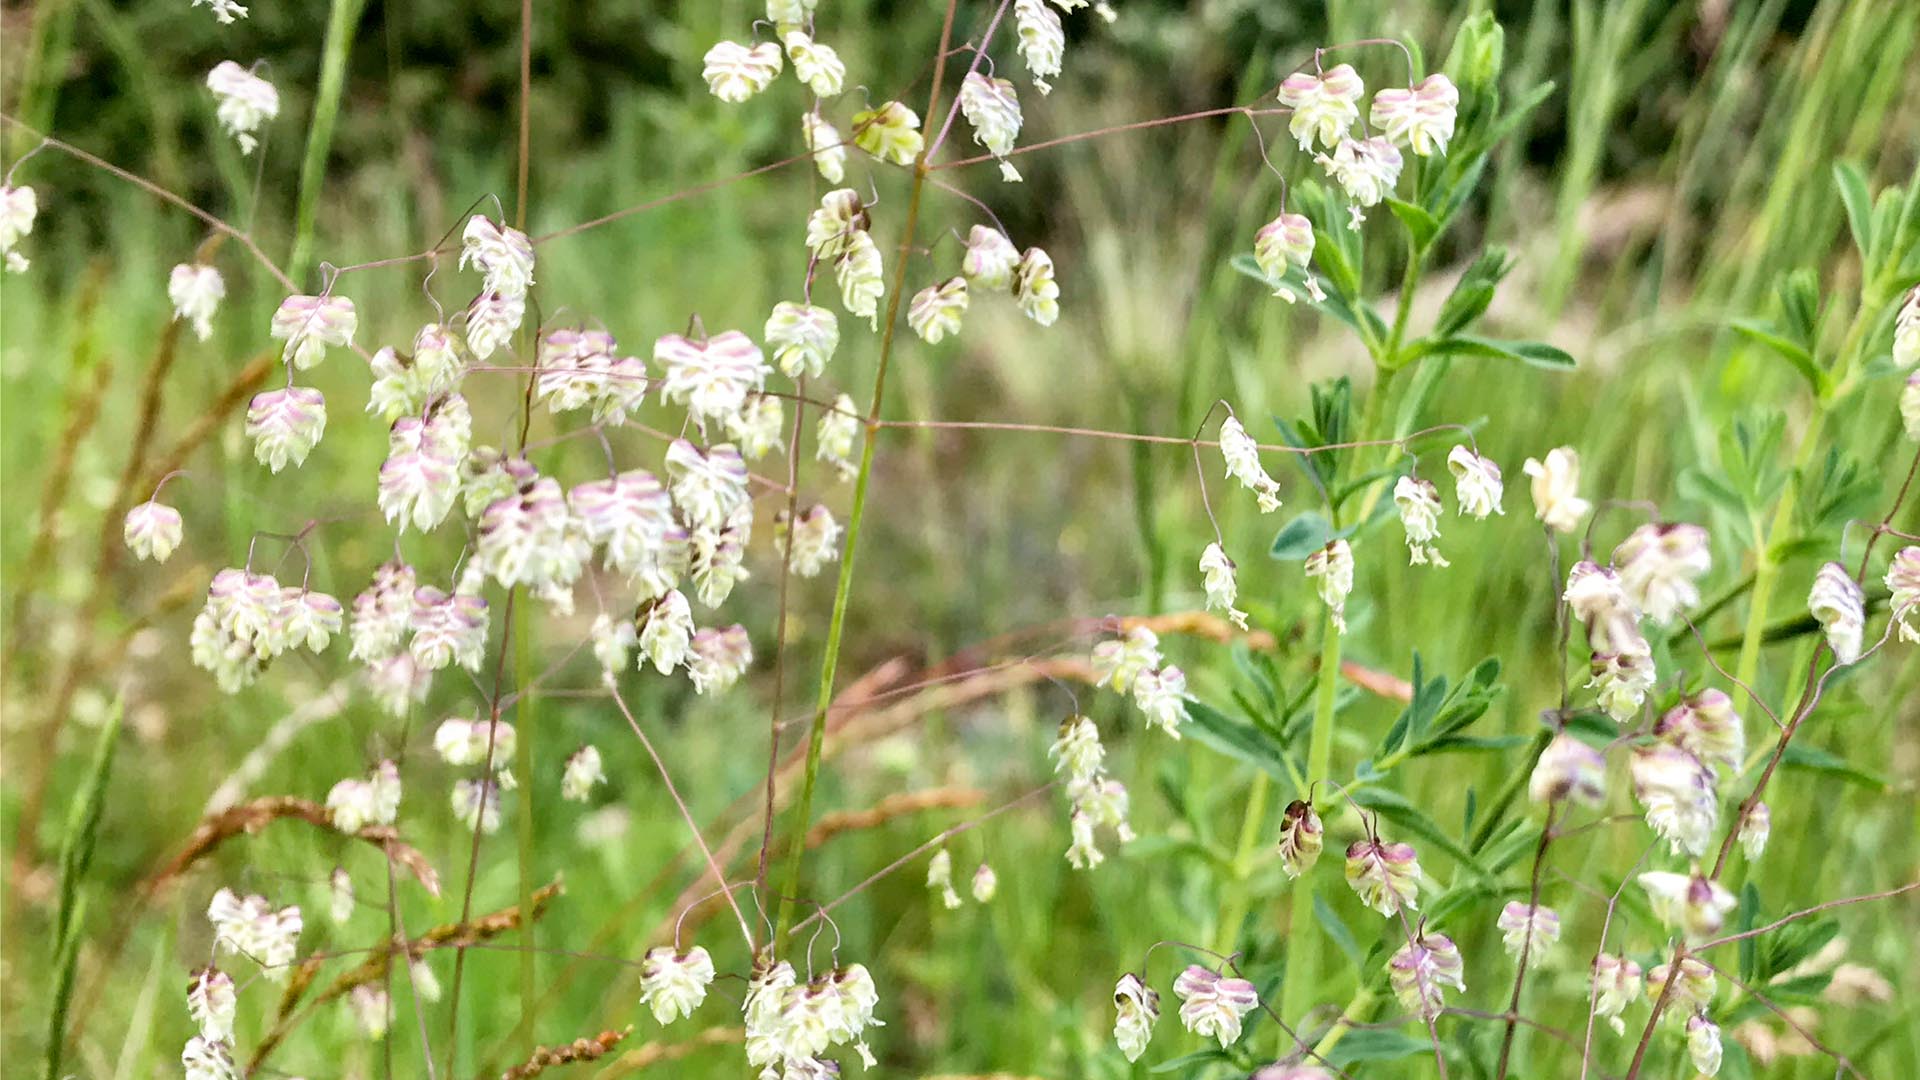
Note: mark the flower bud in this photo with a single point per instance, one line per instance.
(1706, 726)
(1421, 968)
(1839, 605)
(1324, 106)
(1527, 930)
(1569, 769)
(1659, 566)
(1301, 838)
(152, 530)
(1755, 826)
(1212, 1005)
(1385, 876)
(1556, 489)
(985, 883)
(1136, 1007)
(1419, 503)
(674, 983)
(1695, 904)
(582, 774)
(1903, 582)
(1477, 485)
(1332, 569)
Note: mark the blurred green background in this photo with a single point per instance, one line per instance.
(1679, 168)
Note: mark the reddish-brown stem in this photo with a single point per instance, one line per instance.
(1137, 125)
(780, 636)
(1526, 945)
(979, 52)
(820, 911)
(162, 194)
(713, 867)
(1804, 912)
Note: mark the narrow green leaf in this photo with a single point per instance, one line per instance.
(1307, 533)
(1186, 1062)
(1792, 352)
(1859, 203)
(1536, 353)
(1814, 759)
(1234, 738)
(1376, 1045)
(1336, 929)
(1469, 743)
(1473, 292)
(1421, 225)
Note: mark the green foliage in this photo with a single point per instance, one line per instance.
(77, 844)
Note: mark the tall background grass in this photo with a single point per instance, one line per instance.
(1681, 166)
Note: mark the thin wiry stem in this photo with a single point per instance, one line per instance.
(1606, 924)
(1526, 945)
(1757, 931)
(473, 850)
(979, 53)
(780, 639)
(948, 834)
(1787, 1018)
(1138, 125)
(158, 192)
(1425, 988)
(399, 934)
(719, 877)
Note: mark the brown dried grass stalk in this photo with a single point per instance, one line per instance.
(374, 968)
(251, 817)
(581, 1049)
(655, 1053)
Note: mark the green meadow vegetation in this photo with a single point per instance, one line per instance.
(1671, 238)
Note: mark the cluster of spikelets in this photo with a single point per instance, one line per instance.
(790, 1025)
(1680, 769)
(677, 536)
(984, 885)
(1325, 106)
